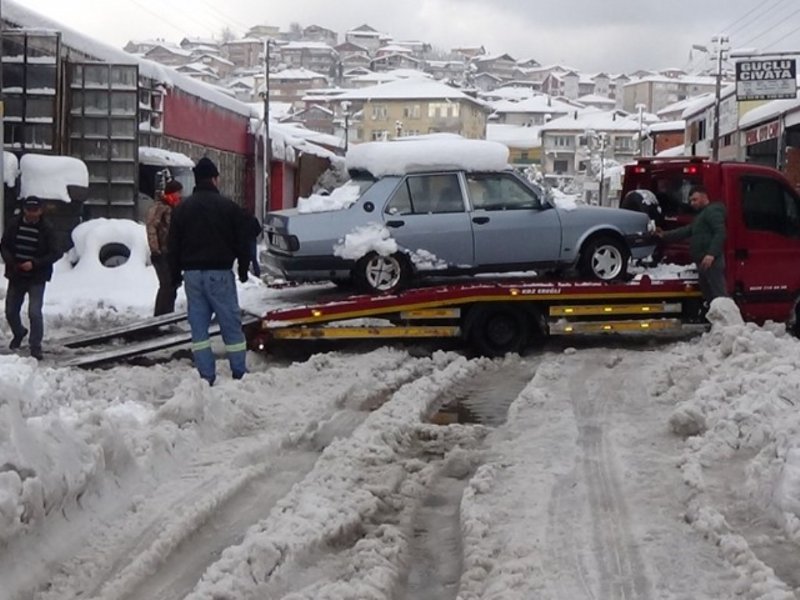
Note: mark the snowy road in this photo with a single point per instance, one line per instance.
(387, 475)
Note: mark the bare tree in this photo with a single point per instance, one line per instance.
(226, 35)
(295, 31)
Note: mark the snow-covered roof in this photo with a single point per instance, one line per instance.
(770, 110)
(596, 99)
(415, 89)
(663, 126)
(304, 45)
(15, 13)
(163, 158)
(172, 49)
(514, 136)
(246, 40)
(407, 156)
(540, 103)
(597, 120)
(678, 150)
(302, 73)
(687, 80)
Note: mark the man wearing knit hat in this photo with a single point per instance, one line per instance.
(207, 233)
(29, 249)
(157, 223)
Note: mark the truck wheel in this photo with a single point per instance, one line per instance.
(604, 258)
(498, 330)
(382, 274)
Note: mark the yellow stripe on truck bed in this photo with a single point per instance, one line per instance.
(319, 333)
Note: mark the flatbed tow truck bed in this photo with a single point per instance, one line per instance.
(496, 317)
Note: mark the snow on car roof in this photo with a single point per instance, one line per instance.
(407, 156)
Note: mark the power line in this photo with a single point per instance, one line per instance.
(730, 29)
(771, 28)
(783, 37)
(226, 18)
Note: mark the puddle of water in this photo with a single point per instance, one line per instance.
(485, 397)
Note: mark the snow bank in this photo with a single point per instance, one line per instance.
(742, 388)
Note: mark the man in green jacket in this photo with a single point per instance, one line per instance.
(706, 244)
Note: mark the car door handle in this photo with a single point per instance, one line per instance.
(480, 220)
(395, 223)
(741, 253)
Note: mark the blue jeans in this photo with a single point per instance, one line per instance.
(214, 293)
(15, 296)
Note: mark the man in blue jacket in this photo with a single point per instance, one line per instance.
(207, 233)
(29, 249)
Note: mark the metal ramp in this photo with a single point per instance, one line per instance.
(159, 340)
(123, 331)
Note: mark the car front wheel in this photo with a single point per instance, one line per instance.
(382, 274)
(604, 258)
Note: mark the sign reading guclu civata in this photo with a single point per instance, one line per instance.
(766, 79)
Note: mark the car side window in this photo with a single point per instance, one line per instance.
(768, 205)
(422, 194)
(500, 191)
(400, 203)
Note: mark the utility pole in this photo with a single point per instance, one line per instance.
(721, 42)
(603, 140)
(266, 205)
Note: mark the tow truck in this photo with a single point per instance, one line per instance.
(762, 254)
(495, 317)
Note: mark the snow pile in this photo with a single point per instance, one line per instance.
(48, 176)
(742, 390)
(10, 168)
(564, 201)
(340, 198)
(347, 487)
(398, 158)
(373, 237)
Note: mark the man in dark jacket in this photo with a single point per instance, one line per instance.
(706, 244)
(207, 233)
(29, 249)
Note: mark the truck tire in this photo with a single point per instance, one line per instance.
(376, 274)
(498, 330)
(604, 257)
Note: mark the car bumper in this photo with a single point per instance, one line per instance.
(307, 268)
(641, 245)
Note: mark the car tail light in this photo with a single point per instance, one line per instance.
(691, 170)
(640, 170)
(287, 243)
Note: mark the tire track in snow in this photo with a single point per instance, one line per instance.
(621, 569)
(165, 546)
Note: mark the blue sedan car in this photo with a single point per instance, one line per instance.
(450, 222)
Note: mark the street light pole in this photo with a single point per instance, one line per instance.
(721, 42)
(266, 205)
(640, 107)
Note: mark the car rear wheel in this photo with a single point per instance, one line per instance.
(382, 274)
(604, 258)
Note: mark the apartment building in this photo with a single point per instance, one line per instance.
(414, 107)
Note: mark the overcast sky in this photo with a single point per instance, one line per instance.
(590, 35)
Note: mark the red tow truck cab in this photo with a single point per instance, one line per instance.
(762, 249)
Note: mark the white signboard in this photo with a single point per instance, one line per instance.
(766, 79)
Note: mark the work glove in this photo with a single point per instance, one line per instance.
(243, 274)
